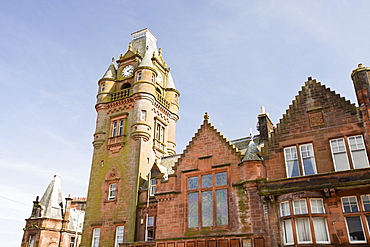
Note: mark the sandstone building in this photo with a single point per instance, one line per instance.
(303, 182)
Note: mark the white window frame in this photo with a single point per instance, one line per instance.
(321, 206)
(362, 227)
(308, 230)
(367, 202)
(120, 231)
(337, 150)
(292, 159)
(95, 237)
(112, 191)
(309, 155)
(357, 147)
(153, 187)
(285, 209)
(292, 152)
(288, 230)
(298, 204)
(350, 204)
(316, 231)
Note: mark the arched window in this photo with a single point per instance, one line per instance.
(126, 85)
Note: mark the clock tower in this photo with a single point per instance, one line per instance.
(137, 110)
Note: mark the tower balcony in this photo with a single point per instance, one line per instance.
(163, 101)
(121, 94)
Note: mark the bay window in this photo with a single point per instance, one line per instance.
(303, 221)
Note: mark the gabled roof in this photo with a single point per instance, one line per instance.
(52, 200)
(208, 126)
(129, 53)
(313, 108)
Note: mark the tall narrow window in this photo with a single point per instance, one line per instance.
(207, 200)
(150, 229)
(308, 159)
(153, 78)
(338, 149)
(31, 240)
(143, 115)
(153, 187)
(119, 235)
(102, 87)
(358, 152)
(366, 202)
(95, 237)
(72, 242)
(112, 191)
(291, 160)
(139, 76)
(159, 133)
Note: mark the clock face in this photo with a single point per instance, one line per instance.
(127, 71)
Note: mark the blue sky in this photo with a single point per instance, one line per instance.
(227, 58)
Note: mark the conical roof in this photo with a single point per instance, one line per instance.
(111, 72)
(170, 82)
(252, 151)
(52, 200)
(147, 60)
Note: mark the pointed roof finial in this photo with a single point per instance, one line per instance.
(113, 59)
(206, 116)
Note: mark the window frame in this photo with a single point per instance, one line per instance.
(118, 235)
(214, 191)
(95, 237)
(150, 228)
(351, 160)
(295, 154)
(152, 187)
(112, 192)
(290, 232)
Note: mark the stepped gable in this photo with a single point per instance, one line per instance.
(315, 107)
(207, 142)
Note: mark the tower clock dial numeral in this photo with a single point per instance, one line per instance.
(127, 71)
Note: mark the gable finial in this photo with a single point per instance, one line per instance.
(206, 116)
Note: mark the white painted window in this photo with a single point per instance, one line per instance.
(119, 235)
(112, 191)
(95, 237)
(153, 187)
(300, 206)
(349, 204)
(284, 209)
(317, 206)
(306, 163)
(358, 152)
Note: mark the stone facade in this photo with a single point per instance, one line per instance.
(304, 182)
